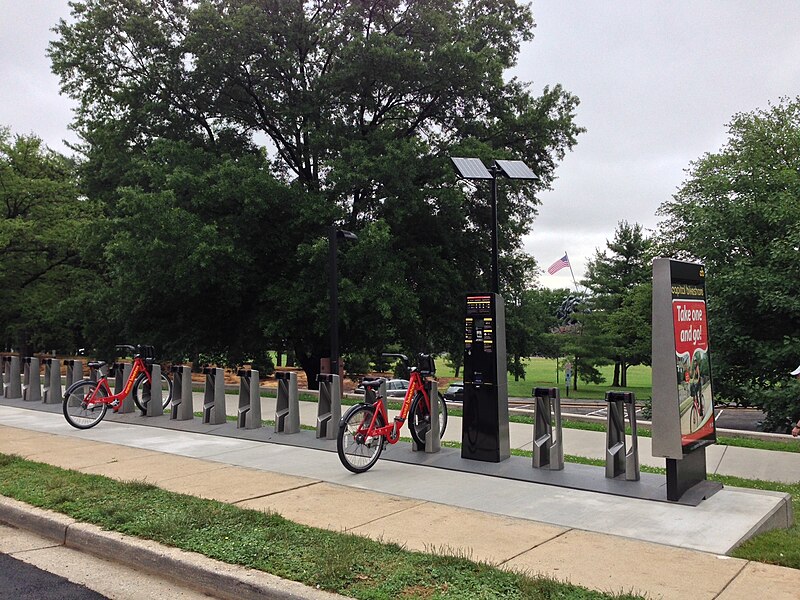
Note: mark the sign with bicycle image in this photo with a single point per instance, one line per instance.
(692, 364)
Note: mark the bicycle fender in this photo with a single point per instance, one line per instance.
(69, 390)
(350, 411)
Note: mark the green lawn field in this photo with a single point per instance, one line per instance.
(541, 372)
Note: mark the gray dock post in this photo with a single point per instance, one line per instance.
(121, 372)
(287, 409)
(329, 408)
(152, 397)
(618, 460)
(51, 394)
(433, 440)
(548, 441)
(12, 383)
(214, 396)
(249, 414)
(31, 380)
(74, 371)
(182, 405)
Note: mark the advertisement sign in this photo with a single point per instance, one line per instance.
(692, 363)
(683, 403)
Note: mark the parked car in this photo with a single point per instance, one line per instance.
(394, 388)
(455, 392)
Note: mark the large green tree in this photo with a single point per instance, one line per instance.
(530, 318)
(739, 213)
(43, 228)
(618, 278)
(354, 107)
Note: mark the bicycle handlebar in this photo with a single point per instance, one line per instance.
(139, 350)
(422, 360)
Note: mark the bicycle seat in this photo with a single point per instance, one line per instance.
(97, 364)
(373, 384)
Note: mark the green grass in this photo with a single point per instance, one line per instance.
(541, 372)
(338, 562)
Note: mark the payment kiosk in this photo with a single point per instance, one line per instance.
(485, 422)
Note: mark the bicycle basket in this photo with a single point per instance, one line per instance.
(425, 365)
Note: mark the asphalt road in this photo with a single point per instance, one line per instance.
(21, 581)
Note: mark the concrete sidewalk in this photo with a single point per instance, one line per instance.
(723, 460)
(587, 538)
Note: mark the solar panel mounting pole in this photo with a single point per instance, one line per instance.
(474, 170)
(495, 171)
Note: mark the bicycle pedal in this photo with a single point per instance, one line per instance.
(114, 403)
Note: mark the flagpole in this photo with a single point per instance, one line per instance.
(569, 262)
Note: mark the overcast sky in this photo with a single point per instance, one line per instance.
(658, 82)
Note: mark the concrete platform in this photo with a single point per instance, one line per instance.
(717, 525)
(435, 510)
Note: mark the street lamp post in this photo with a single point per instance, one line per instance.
(335, 234)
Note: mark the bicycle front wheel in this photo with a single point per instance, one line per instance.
(83, 408)
(419, 418)
(138, 392)
(357, 450)
(694, 418)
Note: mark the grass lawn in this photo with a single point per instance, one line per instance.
(541, 372)
(347, 564)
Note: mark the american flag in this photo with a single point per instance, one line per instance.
(558, 265)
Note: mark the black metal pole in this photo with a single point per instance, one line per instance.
(334, 296)
(495, 250)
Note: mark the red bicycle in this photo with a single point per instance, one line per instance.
(363, 430)
(86, 402)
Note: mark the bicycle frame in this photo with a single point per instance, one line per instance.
(391, 432)
(138, 368)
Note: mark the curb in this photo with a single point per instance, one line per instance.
(189, 569)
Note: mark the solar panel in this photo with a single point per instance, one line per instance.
(515, 169)
(471, 168)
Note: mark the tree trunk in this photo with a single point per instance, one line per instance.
(25, 349)
(575, 375)
(625, 374)
(310, 366)
(616, 374)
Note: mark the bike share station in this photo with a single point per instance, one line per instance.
(680, 343)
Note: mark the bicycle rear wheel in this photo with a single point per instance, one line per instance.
(358, 451)
(419, 418)
(82, 407)
(138, 393)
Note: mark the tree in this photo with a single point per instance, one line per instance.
(44, 289)
(739, 213)
(620, 313)
(530, 316)
(355, 107)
